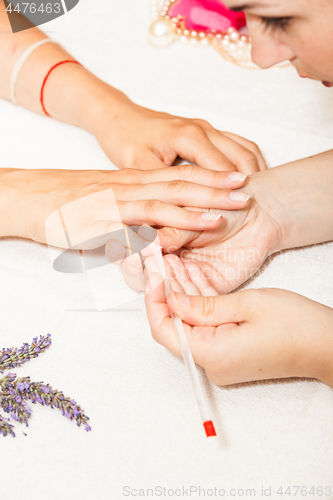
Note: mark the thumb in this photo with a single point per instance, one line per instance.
(208, 311)
(173, 239)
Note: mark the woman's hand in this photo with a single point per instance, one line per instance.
(140, 138)
(155, 197)
(248, 335)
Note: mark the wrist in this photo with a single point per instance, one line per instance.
(74, 95)
(322, 346)
(11, 212)
(102, 103)
(298, 198)
(269, 196)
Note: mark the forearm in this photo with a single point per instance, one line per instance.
(299, 196)
(72, 94)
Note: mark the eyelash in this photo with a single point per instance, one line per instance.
(275, 23)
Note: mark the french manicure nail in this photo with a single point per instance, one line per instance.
(237, 177)
(210, 217)
(181, 299)
(239, 196)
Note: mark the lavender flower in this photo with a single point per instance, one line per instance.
(14, 357)
(6, 427)
(15, 392)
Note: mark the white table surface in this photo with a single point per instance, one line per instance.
(146, 430)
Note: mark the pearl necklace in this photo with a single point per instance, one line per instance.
(164, 29)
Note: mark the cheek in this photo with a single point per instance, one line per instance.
(314, 54)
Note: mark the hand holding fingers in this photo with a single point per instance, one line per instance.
(244, 155)
(236, 152)
(251, 146)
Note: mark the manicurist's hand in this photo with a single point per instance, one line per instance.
(132, 136)
(248, 335)
(137, 137)
(155, 197)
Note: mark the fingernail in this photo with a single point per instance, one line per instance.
(181, 299)
(239, 196)
(113, 251)
(148, 233)
(210, 217)
(237, 177)
(133, 259)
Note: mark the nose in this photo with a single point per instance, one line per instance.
(267, 50)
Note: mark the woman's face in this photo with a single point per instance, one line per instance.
(300, 31)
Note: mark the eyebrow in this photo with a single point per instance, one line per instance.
(251, 6)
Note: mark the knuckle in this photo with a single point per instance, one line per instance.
(253, 147)
(208, 307)
(186, 171)
(248, 156)
(130, 175)
(191, 129)
(176, 187)
(203, 123)
(152, 206)
(121, 188)
(217, 177)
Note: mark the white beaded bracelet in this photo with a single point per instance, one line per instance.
(19, 63)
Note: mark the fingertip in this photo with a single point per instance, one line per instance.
(178, 300)
(236, 178)
(211, 218)
(115, 251)
(155, 281)
(239, 197)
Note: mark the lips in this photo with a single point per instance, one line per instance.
(327, 84)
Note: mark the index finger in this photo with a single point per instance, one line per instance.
(197, 148)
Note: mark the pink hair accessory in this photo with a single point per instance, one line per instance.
(207, 22)
(207, 15)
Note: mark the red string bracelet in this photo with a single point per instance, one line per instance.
(45, 80)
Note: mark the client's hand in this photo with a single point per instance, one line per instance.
(154, 197)
(248, 335)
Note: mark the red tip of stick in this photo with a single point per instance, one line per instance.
(209, 428)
